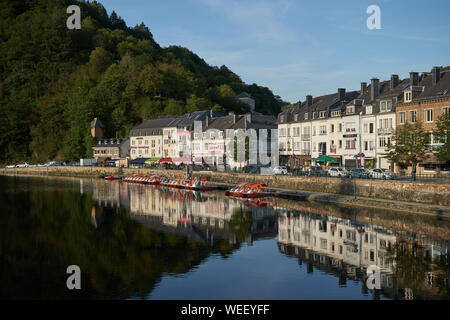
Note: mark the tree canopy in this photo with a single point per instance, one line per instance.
(53, 80)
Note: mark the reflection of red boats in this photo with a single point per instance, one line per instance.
(249, 190)
(256, 202)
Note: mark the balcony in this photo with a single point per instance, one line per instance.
(382, 131)
(306, 136)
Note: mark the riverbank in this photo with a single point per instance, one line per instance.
(415, 197)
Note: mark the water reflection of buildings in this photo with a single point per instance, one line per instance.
(201, 216)
(345, 248)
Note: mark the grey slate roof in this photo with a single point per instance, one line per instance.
(96, 123)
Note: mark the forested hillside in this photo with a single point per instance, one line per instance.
(53, 80)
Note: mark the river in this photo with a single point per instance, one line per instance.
(145, 242)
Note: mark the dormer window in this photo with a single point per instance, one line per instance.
(314, 115)
(408, 96)
(386, 106)
(296, 117)
(368, 109)
(336, 113)
(322, 114)
(350, 109)
(306, 116)
(281, 119)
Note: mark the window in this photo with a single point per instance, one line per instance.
(314, 115)
(340, 144)
(429, 115)
(401, 117)
(369, 110)
(371, 127)
(413, 116)
(314, 131)
(336, 113)
(350, 144)
(306, 116)
(332, 128)
(445, 110)
(296, 117)
(323, 130)
(408, 96)
(340, 127)
(322, 114)
(281, 119)
(386, 106)
(350, 109)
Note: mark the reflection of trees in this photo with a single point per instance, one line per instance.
(241, 224)
(413, 265)
(44, 232)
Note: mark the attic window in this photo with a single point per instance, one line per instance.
(322, 114)
(306, 116)
(408, 96)
(350, 109)
(368, 109)
(281, 119)
(296, 117)
(336, 113)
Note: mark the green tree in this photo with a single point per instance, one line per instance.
(442, 134)
(408, 146)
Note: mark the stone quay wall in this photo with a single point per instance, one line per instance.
(429, 193)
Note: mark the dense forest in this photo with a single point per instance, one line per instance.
(54, 81)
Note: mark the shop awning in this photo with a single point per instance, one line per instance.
(139, 160)
(327, 159)
(165, 160)
(152, 160)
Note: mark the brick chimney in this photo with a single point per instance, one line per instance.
(363, 87)
(394, 81)
(413, 79)
(309, 100)
(436, 74)
(374, 88)
(341, 94)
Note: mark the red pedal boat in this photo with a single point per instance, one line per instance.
(249, 190)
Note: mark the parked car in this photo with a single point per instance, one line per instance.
(338, 172)
(359, 173)
(280, 170)
(10, 166)
(22, 165)
(381, 174)
(316, 171)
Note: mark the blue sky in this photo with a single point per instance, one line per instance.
(297, 47)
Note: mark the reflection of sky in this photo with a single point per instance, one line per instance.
(255, 272)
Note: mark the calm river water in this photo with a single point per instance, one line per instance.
(144, 242)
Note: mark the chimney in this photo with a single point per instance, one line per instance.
(363, 87)
(394, 81)
(249, 117)
(309, 100)
(234, 117)
(436, 74)
(374, 90)
(413, 79)
(341, 94)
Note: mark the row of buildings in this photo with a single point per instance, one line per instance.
(351, 127)
(355, 127)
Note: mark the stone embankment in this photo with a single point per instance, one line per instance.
(369, 192)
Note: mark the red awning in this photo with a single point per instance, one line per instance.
(166, 160)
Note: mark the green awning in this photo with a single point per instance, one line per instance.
(327, 159)
(152, 160)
